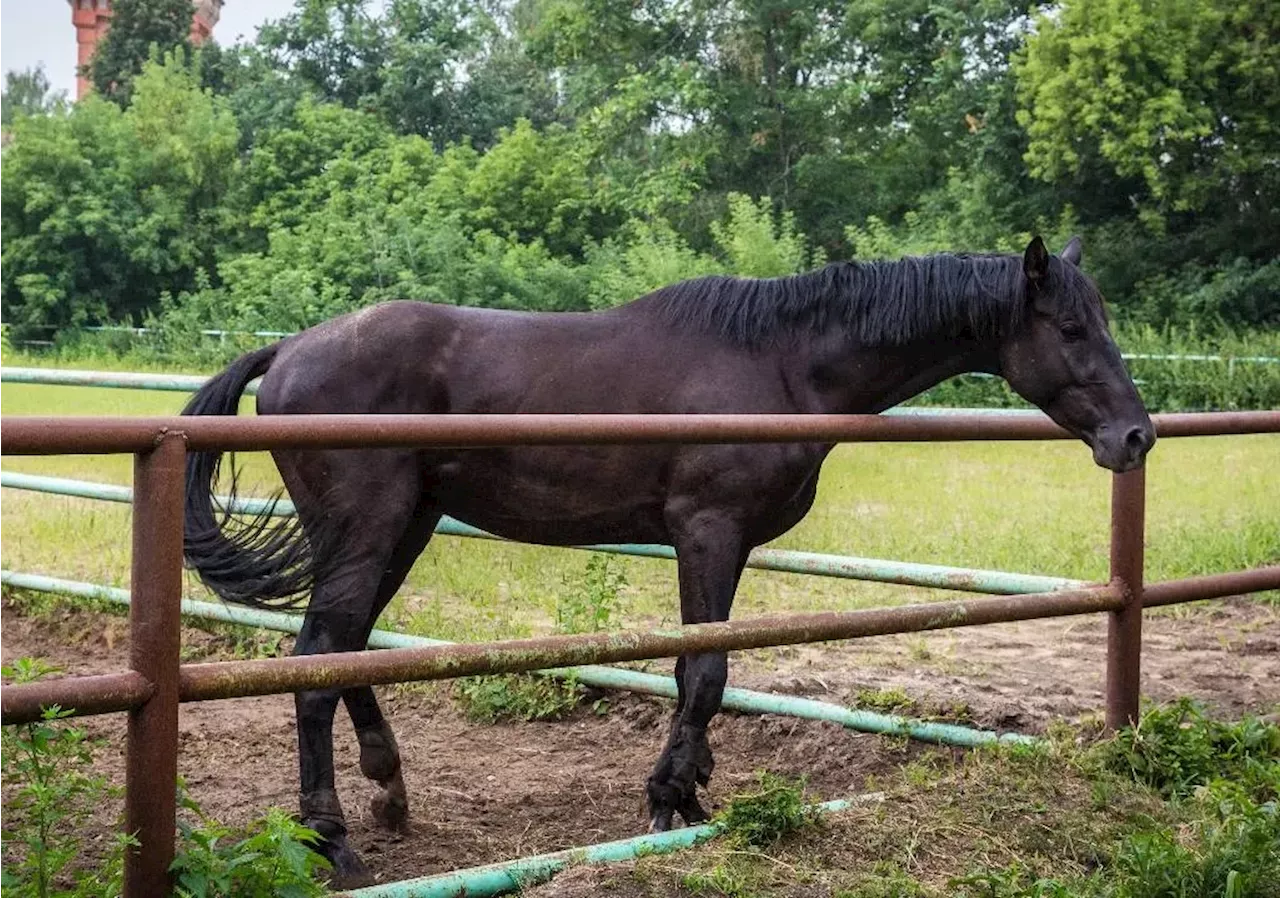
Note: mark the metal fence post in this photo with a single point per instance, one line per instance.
(151, 766)
(1124, 630)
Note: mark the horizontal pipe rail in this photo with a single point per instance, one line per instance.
(1211, 586)
(234, 679)
(118, 692)
(93, 435)
(1212, 424)
(843, 567)
(100, 694)
(735, 699)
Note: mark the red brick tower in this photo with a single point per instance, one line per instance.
(92, 18)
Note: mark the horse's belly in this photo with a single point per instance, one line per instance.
(546, 496)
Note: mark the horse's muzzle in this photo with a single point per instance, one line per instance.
(1122, 449)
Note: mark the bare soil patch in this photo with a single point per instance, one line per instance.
(485, 793)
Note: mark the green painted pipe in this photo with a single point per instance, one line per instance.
(744, 700)
(229, 614)
(512, 876)
(124, 380)
(783, 560)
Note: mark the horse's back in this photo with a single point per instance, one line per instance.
(416, 357)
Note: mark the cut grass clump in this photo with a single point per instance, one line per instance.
(507, 697)
(887, 701)
(759, 818)
(741, 865)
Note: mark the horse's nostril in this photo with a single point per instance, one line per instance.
(1138, 440)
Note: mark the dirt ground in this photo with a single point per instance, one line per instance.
(485, 793)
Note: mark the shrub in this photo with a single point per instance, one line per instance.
(51, 797)
(1176, 748)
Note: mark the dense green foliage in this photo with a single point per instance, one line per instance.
(28, 92)
(138, 29)
(573, 154)
(1178, 748)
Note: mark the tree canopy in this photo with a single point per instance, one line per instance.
(139, 30)
(571, 154)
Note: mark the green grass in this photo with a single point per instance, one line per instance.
(1030, 507)
(939, 818)
(1054, 820)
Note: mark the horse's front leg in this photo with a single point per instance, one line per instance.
(711, 555)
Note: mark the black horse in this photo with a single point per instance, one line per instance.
(848, 338)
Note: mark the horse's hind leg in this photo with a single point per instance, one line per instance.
(379, 754)
(379, 757)
(711, 556)
(358, 505)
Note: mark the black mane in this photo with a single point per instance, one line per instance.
(879, 303)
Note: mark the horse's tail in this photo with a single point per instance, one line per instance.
(246, 558)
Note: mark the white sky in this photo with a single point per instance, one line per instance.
(35, 31)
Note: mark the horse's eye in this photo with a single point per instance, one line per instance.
(1071, 332)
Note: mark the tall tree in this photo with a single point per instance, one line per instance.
(140, 30)
(29, 92)
(442, 69)
(1184, 95)
(104, 209)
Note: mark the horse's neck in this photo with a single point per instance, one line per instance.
(852, 379)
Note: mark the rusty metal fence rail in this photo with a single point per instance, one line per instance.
(151, 690)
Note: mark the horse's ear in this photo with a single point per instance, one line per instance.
(1073, 251)
(1035, 261)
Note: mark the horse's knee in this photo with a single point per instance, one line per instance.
(379, 754)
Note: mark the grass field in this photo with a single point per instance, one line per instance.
(1028, 507)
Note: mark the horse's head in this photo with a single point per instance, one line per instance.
(1061, 357)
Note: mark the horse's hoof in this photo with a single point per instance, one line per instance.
(391, 811)
(693, 812)
(349, 872)
(661, 822)
(342, 882)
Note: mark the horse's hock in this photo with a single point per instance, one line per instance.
(155, 683)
